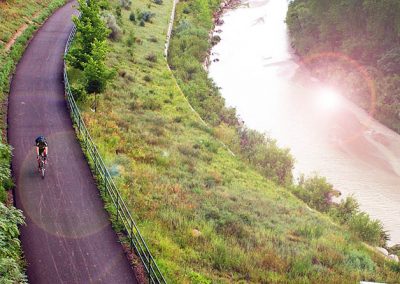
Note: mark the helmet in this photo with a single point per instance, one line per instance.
(41, 140)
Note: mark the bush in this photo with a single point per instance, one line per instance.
(146, 16)
(359, 261)
(147, 78)
(79, 93)
(151, 57)
(5, 174)
(116, 31)
(132, 17)
(316, 192)
(263, 153)
(131, 39)
(126, 4)
(346, 209)
(370, 231)
(10, 248)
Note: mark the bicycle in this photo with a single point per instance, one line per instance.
(42, 165)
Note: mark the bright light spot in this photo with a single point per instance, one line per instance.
(328, 99)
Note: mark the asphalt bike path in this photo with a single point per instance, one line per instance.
(68, 237)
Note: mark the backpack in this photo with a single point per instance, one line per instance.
(41, 142)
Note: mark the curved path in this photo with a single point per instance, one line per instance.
(68, 237)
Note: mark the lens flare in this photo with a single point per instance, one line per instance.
(328, 99)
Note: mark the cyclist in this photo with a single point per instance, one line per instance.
(41, 148)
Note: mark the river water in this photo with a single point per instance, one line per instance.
(259, 75)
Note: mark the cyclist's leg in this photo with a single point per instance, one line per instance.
(45, 155)
(40, 154)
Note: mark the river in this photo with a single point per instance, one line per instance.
(260, 76)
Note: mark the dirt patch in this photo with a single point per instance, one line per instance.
(11, 42)
(20, 30)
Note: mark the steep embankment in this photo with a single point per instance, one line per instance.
(18, 21)
(208, 216)
(328, 35)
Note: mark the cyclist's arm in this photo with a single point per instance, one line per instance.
(37, 151)
(47, 150)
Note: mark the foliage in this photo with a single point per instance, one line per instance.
(364, 30)
(96, 75)
(370, 231)
(11, 265)
(126, 4)
(10, 248)
(111, 23)
(89, 51)
(145, 16)
(89, 28)
(316, 192)
(132, 17)
(347, 208)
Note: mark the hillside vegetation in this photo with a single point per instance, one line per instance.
(18, 21)
(208, 216)
(363, 30)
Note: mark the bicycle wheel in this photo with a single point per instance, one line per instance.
(42, 171)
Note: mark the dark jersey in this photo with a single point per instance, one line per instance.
(41, 142)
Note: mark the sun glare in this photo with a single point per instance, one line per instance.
(328, 99)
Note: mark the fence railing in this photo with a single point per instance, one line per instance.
(107, 186)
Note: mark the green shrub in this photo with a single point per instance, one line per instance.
(346, 209)
(151, 57)
(10, 248)
(316, 192)
(370, 231)
(359, 261)
(132, 17)
(146, 16)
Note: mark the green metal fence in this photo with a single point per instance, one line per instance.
(107, 185)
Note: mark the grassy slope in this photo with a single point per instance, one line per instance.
(206, 215)
(13, 14)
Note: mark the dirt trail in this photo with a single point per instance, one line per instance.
(19, 32)
(68, 237)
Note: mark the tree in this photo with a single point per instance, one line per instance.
(96, 74)
(89, 28)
